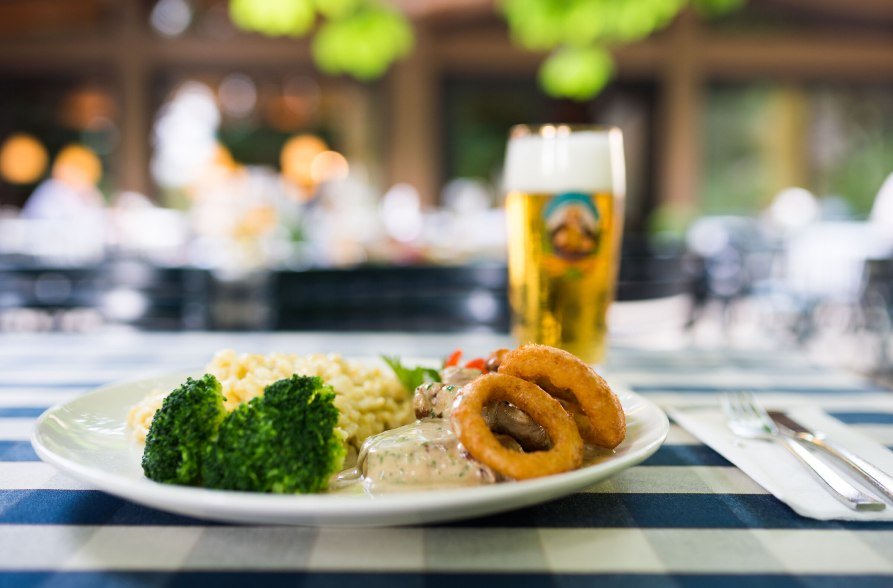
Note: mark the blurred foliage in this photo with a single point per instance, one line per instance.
(736, 178)
(861, 141)
(578, 73)
(336, 8)
(858, 177)
(670, 221)
(847, 143)
(360, 38)
(363, 44)
(273, 17)
(578, 32)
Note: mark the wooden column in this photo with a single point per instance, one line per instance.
(133, 73)
(787, 145)
(413, 134)
(679, 153)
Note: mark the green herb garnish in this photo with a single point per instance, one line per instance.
(411, 378)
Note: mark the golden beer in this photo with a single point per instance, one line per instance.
(564, 241)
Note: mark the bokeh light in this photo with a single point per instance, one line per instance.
(23, 159)
(223, 158)
(255, 222)
(296, 106)
(185, 135)
(328, 166)
(238, 95)
(88, 108)
(297, 158)
(171, 18)
(401, 213)
(77, 165)
(794, 208)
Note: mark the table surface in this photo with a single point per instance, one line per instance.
(685, 517)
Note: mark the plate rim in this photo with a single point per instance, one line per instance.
(328, 509)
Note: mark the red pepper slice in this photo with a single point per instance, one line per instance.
(478, 363)
(453, 359)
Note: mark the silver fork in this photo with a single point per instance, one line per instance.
(746, 418)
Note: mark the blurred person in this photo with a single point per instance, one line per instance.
(70, 193)
(64, 219)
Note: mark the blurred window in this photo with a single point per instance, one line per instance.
(834, 140)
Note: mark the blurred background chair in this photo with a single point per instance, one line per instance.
(46, 298)
(876, 312)
(376, 298)
(141, 295)
(115, 293)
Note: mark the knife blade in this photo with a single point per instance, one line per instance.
(869, 472)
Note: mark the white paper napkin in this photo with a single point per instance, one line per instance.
(774, 468)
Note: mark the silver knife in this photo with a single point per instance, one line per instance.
(871, 473)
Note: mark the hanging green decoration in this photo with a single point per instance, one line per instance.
(585, 23)
(359, 38)
(536, 24)
(578, 33)
(336, 9)
(363, 38)
(578, 73)
(364, 44)
(274, 18)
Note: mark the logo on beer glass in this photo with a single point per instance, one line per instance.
(573, 229)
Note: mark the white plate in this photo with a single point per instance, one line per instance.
(88, 438)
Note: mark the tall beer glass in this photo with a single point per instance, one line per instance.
(565, 193)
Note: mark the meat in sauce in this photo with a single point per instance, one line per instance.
(427, 454)
(419, 456)
(435, 399)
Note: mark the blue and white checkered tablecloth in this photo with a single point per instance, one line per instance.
(686, 517)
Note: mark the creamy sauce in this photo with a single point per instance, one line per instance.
(422, 456)
(435, 399)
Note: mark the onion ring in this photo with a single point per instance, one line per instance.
(580, 418)
(477, 438)
(494, 359)
(566, 377)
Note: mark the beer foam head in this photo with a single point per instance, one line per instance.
(554, 159)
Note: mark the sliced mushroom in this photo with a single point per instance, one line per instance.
(506, 419)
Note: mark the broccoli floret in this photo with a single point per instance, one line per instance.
(181, 431)
(283, 442)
